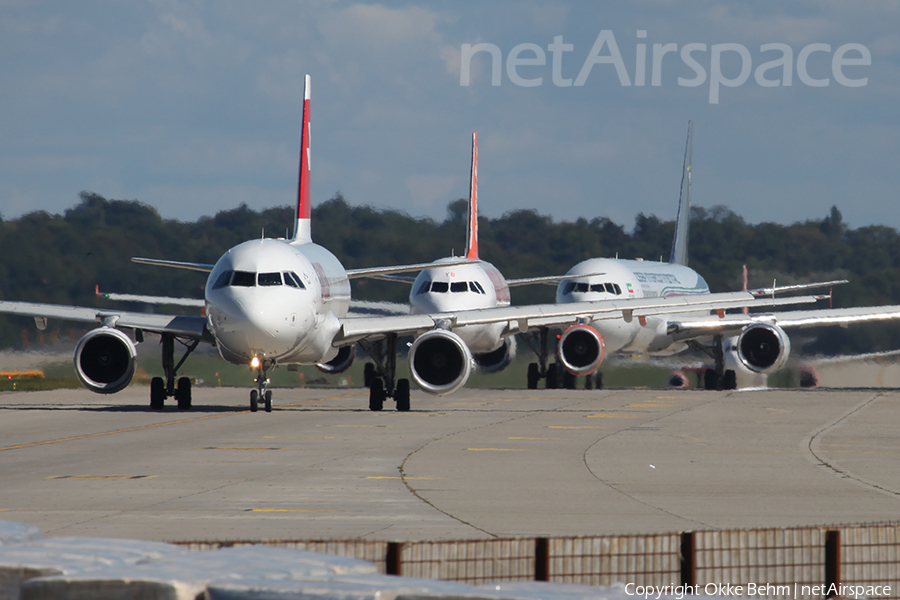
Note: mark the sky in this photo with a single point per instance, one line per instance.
(195, 107)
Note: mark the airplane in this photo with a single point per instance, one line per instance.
(475, 284)
(271, 302)
(758, 342)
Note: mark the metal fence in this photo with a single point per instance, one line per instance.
(800, 562)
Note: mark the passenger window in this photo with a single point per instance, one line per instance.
(459, 286)
(439, 287)
(424, 287)
(597, 287)
(618, 289)
(570, 287)
(269, 279)
(223, 280)
(243, 279)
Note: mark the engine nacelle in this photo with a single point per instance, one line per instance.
(104, 360)
(763, 348)
(340, 363)
(580, 349)
(499, 359)
(440, 362)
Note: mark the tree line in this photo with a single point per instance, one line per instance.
(59, 259)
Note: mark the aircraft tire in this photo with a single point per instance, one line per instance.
(254, 401)
(534, 375)
(729, 381)
(589, 382)
(569, 380)
(598, 380)
(376, 394)
(401, 395)
(268, 401)
(183, 393)
(368, 374)
(552, 377)
(157, 393)
(711, 380)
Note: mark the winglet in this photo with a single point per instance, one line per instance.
(679, 254)
(472, 230)
(302, 231)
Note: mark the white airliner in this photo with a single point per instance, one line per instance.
(447, 288)
(280, 302)
(757, 341)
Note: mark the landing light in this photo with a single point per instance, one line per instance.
(254, 362)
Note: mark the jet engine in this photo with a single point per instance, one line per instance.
(499, 359)
(581, 349)
(440, 362)
(763, 348)
(340, 363)
(104, 360)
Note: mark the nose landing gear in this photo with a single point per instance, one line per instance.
(261, 392)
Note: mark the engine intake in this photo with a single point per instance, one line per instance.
(340, 363)
(104, 360)
(763, 348)
(499, 359)
(581, 349)
(440, 362)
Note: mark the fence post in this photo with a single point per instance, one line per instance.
(832, 562)
(688, 559)
(541, 559)
(392, 558)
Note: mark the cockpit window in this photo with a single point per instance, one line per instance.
(424, 287)
(243, 279)
(223, 280)
(597, 287)
(600, 288)
(581, 287)
(473, 286)
(570, 287)
(459, 286)
(440, 287)
(269, 279)
(293, 280)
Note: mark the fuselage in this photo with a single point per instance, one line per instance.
(463, 287)
(276, 301)
(631, 279)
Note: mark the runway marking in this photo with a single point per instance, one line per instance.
(577, 426)
(101, 477)
(298, 437)
(680, 398)
(654, 405)
(535, 438)
(303, 510)
(348, 426)
(238, 448)
(152, 425)
(613, 416)
(497, 449)
(398, 477)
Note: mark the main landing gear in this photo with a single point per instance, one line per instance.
(553, 373)
(160, 388)
(379, 377)
(718, 377)
(261, 393)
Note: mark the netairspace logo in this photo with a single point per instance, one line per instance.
(705, 62)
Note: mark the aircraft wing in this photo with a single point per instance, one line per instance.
(193, 327)
(524, 318)
(204, 268)
(734, 323)
(375, 272)
(194, 302)
(549, 279)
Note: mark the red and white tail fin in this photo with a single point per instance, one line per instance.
(472, 229)
(302, 231)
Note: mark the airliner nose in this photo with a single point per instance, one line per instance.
(260, 326)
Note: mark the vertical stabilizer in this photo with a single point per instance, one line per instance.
(472, 229)
(302, 231)
(679, 254)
